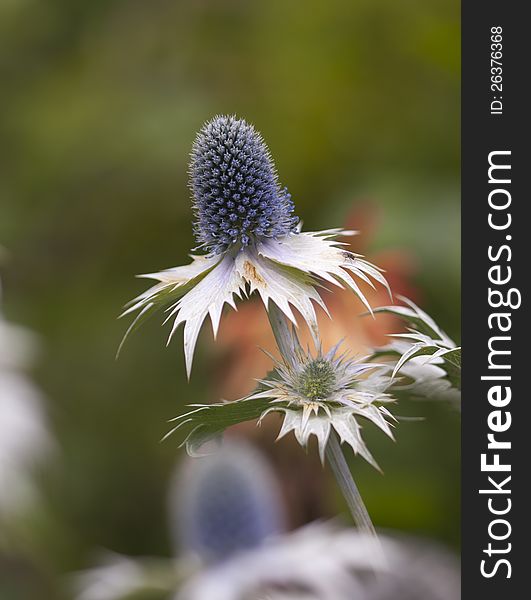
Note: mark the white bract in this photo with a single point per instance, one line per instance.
(425, 376)
(286, 271)
(427, 356)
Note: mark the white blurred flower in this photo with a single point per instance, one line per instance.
(120, 577)
(317, 561)
(24, 437)
(117, 578)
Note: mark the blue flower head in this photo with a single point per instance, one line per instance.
(225, 503)
(236, 193)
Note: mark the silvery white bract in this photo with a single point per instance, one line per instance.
(253, 243)
(426, 354)
(316, 395)
(24, 436)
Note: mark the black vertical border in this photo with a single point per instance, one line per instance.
(481, 134)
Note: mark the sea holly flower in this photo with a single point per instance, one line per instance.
(316, 394)
(325, 392)
(252, 242)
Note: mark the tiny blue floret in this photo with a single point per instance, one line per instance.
(236, 193)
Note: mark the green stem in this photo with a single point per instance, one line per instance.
(349, 489)
(286, 341)
(283, 336)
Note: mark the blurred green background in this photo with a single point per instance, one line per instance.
(359, 103)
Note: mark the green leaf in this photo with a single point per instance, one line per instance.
(207, 421)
